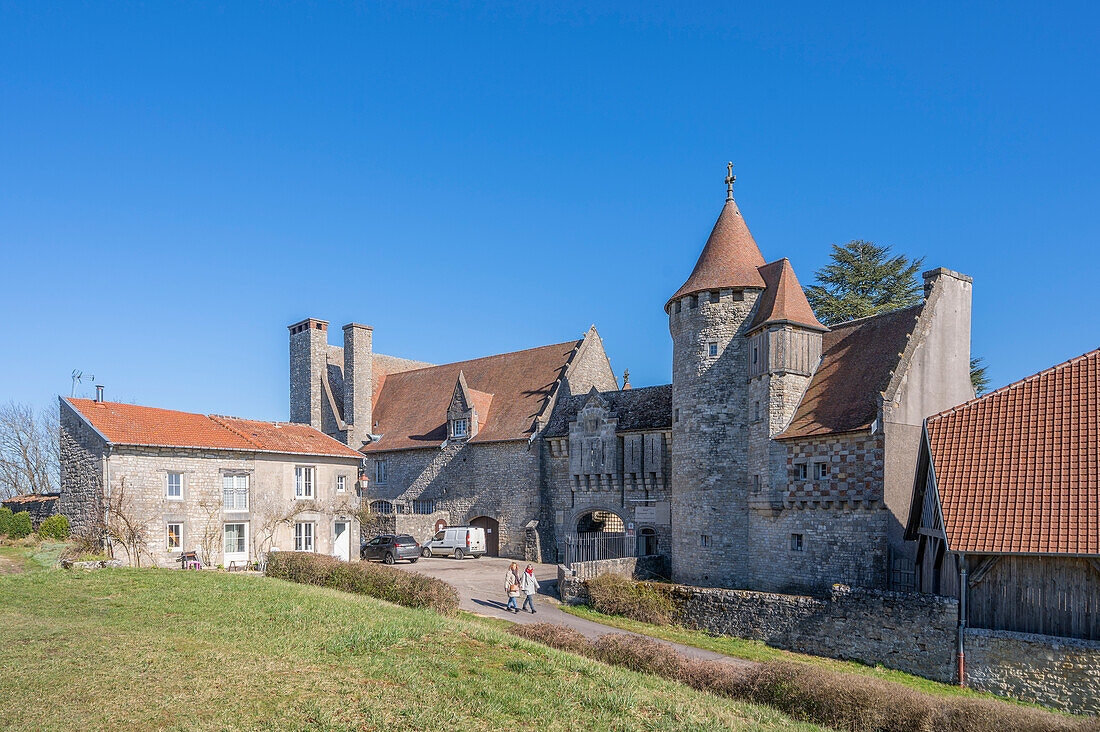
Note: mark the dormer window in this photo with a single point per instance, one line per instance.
(460, 427)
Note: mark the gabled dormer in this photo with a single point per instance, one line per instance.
(468, 411)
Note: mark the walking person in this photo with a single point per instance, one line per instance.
(529, 585)
(511, 586)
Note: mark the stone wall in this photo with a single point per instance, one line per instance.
(710, 437)
(910, 632)
(1063, 673)
(466, 480)
(82, 451)
(139, 489)
(571, 578)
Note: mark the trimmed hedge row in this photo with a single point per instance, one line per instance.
(810, 693)
(362, 578)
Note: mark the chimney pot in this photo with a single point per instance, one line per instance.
(99, 393)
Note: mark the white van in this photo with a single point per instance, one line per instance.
(457, 541)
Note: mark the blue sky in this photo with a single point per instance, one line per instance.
(179, 182)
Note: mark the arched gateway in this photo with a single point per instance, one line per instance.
(599, 534)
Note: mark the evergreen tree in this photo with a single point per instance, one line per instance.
(863, 279)
(978, 376)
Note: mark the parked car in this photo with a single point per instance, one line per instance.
(457, 541)
(389, 548)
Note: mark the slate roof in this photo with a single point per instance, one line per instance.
(1018, 470)
(639, 408)
(730, 257)
(857, 361)
(783, 301)
(129, 424)
(411, 408)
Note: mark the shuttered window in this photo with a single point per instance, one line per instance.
(235, 492)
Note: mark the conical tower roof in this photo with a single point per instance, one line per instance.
(730, 257)
(783, 301)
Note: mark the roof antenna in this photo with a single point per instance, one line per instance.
(78, 377)
(730, 178)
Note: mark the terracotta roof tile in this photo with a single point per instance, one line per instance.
(783, 301)
(730, 257)
(129, 424)
(857, 360)
(1017, 469)
(411, 409)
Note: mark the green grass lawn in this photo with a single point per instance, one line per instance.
(24, 558)
(760, 651)
(164, 649)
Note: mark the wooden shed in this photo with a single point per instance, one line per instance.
(1006, 505)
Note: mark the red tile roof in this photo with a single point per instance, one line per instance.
(1018, 470)
(729, 259)
(857, 361)
(783, 301)
(128, 424)
(411, 410)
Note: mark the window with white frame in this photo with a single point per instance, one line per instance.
(379, 471)
(174, 537)
(796, 542)
(821, 471)
(712, 349)
(234, 539)
(175, 486)
(303, 482)
(460, 427)
(341, 483)
(235, 492)
(303, 537)
(803, 471)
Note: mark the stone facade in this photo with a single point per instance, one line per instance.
(710, 459)
(1062, 673)
(461, 482)
(136, 496)
(83, 454)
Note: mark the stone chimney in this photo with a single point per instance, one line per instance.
(358, 382)
(308, 362)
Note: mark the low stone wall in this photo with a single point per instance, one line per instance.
(906, 631)
(93, 564)
(1063, 673)
(571, 577)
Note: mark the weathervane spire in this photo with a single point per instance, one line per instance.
(730, 178)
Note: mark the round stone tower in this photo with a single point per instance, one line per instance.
(708, 318)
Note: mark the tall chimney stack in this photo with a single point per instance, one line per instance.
(358, 382)
(308, 363)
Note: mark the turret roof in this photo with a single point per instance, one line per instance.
(783, 301)
(730, 257)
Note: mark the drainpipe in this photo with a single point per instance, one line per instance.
(962, 619)
(107, 507)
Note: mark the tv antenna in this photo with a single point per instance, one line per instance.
(78, 377)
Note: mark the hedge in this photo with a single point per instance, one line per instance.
(376, 580)
(20, 525)
(5, 521)
(55, 527)
(809, 693)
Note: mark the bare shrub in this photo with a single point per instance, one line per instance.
(644, 601)
(637, 653)
(809, 693)
(376, 580)
(555, 636)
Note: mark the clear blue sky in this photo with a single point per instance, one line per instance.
(180, 182)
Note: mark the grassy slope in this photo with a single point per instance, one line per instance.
(166, 649)
(759, 651)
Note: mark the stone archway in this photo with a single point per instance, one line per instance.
(492, 534)
(598, 533)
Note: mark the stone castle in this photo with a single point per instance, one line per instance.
(780, 458)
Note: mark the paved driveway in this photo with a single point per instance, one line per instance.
(480, 585)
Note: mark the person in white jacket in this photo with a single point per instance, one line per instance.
(529, 585)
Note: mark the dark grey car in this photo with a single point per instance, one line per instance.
(389, 548)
